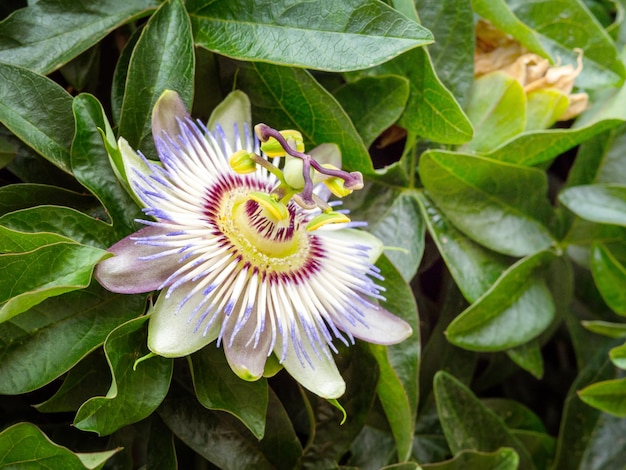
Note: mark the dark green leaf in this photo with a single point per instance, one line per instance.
(61, 220)
(218, 388)
(25, 446)
(501, 459)
(473, 267)
(161, 448)
(211, 434)
(91, 166)
(162, 59)
(452, 54)
(470, 425)
(374, 103)
(516, 309)
(528, 357)
(514, 414)
(49, 33)
(38, 111)
(399, 364)
(138, 388)
(90, 377)
(21, 196)
(612, 330)
(12, 241)
(325, 35)
(600, 203)
(289, 98)
(39, 345)
(610, 277)
(47, 271)
(618, 356)
(502, 206)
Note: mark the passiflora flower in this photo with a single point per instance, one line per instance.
(242, 257)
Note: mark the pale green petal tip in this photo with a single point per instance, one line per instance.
(245, 374)
(166, 110)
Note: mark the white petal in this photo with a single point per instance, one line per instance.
(320, 377)
(382, 326)
(233, 111)
(174, 331)
(168, 107)
(125, 273)
(353, 236)
(244, 359)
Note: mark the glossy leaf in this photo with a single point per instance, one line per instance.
(14, 197)
(565, 32)
(516, 309)
(162, 59)
(50, 33)
(211, 434)
(91, 166)
(288, 98)
(66, 328)
(138, 388)
(24, 445)
(397, 386)
(497, 110)
(324, 35)
(62, 220)
(612, 330)
(504, 458)
(374, 103)
(13, 241)
(608, 395)
(218, 388)
(470, 425)
(600, 203)
(452, 53)
(46, 271)
(618, 356)
(473, 267)
(432, 111)
(37, 110)
(610, 277)
(544, 107)
(501, 206)
(528, 357)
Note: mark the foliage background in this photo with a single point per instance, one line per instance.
(508, 236)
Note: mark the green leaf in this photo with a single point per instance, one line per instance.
(21, 196)
(618, 356)
(540, 146)
(23, 445)
(218, 388)
(331, 439)
(289, 98)
(501, 16)
(13, 241)
(452, 54)
(497, 110)
(432, 111)
(544, 107)
(608, 395)
(162, 59)
(473, 267)
(47, 271)
(514, 414)
(600, 203)
(470, 425)
(528, 357)
(612, 330)
(49, 33)
(572, 26)
(586, 437)
(399, 364)
(502, 459)
(374, 103)
(90, 377)
(138, 388)
(394, 217)
(65, 328)
(211, 434)
(516, 309)
(501, 206)
(91, 166)
(38, 111)
(161, 448)
(324, 35)
(64, 221)
(610, 277)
